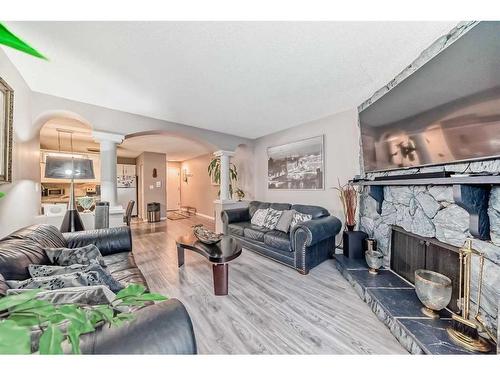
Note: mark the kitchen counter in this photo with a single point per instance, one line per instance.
(115, 218)
(64, 199)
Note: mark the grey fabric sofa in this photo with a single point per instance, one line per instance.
(306, 245)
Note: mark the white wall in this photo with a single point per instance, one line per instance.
(105, 119)
(341, 160)
(244, 162)
(22, 202)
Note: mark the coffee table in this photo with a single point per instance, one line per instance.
(219, 254)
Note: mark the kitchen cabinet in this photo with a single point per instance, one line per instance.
(130, 170)
(125, 170)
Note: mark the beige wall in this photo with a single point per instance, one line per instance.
(176, 164)
(177, 198)
(22, 202)
(341, 134)
(147, 189)
(198, 191)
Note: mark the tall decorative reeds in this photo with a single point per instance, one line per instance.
(349, 197)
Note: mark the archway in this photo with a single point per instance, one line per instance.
(210, 147)
(184, 171)
(63, 133)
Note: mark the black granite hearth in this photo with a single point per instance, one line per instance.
(395, 303)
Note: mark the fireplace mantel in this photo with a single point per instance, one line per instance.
(469, 192)
(465, 180)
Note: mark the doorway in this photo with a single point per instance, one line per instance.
(173, 187)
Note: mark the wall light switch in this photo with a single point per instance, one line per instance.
(151, 187)
(158, 183)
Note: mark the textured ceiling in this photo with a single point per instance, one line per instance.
(243, 78)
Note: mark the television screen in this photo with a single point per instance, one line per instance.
(445, 112)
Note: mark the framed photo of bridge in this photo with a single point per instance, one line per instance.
(297, 165)
(6, 110)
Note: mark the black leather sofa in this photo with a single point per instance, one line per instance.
(163, 328)
(306, 245)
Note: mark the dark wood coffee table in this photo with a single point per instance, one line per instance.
(218, 254)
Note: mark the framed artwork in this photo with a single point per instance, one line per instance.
(297, 165)
(6, 110)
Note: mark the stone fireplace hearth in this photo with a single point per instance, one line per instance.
(430, 211)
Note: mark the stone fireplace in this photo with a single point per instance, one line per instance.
(431, 212)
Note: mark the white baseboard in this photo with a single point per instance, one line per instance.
(205, 216)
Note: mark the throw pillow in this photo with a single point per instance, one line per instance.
(3, 286)
(79, 255)
(39, 270)
(272, 218)
(285, 220)
(259, 216)
(299, 217)
(59, 281)
(86, 295)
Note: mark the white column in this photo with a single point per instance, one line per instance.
(108, 144)
(224, 200)
(224, 174)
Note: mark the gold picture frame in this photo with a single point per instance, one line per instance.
(6, 117)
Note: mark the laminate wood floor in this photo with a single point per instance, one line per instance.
(270, 309)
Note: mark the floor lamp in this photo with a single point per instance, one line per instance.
(74, 169)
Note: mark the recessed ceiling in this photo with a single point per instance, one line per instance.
(243, 78)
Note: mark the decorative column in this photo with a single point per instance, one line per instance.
(225, 201)
(225, 178)
(108, 144)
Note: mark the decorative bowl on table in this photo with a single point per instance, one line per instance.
(206, 236)
(86, 203)
(433, 290)
(374, 259)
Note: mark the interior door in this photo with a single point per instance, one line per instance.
(173, 188)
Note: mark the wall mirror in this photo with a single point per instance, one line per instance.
(6, 109)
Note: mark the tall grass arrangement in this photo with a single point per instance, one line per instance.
(349, 197)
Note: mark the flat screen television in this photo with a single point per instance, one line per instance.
(445, 112)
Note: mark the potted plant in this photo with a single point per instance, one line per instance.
(214, 173)
(9, 39)
(240, 194)
(20, 314)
